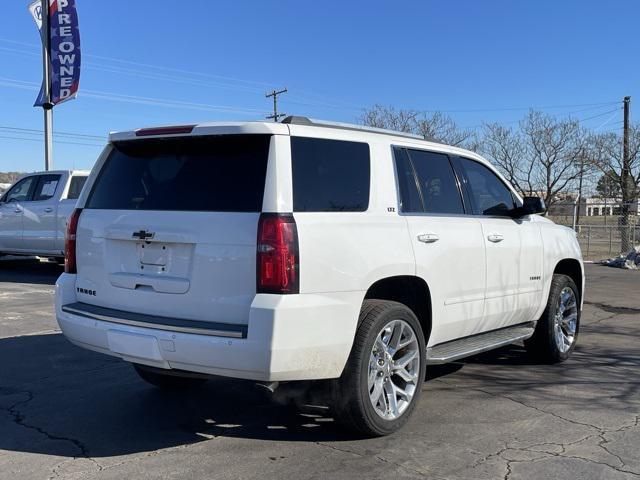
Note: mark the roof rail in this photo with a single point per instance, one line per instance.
(297, 120)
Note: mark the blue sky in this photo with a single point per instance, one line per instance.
(148, 62)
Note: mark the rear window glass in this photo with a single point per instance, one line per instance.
(222, 174)
(77, 182)
(329, 175)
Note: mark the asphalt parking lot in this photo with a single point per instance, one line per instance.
(69, 413)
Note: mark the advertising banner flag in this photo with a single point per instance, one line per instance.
(62, 41)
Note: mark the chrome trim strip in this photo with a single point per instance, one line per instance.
(234, 331)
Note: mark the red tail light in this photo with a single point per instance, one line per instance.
(70, 242)
(277, 262)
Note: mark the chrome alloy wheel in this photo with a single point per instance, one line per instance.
(566, 319)
(394, 367)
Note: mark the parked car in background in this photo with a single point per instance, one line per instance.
(304, 250)
(35, 210)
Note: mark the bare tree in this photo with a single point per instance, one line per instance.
(608, 158)
(435, 127)
(441, 128)
(543, 155)
(506, 148)
(557, 148)
(401, 120)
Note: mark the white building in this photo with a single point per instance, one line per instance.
(595, 207)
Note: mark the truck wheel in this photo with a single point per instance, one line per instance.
(557, 330)
(167, 381)
(382, 380)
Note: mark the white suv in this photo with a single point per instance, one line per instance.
(303, 251)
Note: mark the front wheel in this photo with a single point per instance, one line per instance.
(381, 383)
(557, 330)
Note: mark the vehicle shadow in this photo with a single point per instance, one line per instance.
(29, 271)
(58, 399)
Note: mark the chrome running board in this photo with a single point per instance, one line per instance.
(475, 344)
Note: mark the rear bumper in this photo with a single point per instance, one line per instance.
(288, 337)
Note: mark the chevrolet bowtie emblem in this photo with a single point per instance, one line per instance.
(143, 235)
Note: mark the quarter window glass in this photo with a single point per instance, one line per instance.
(47, 185)
(489, 194)
(329, 175)
(76, 187)
(20, 192)
(440, 192)
(409, 196)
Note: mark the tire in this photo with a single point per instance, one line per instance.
(549, 344)
(166, 381)
(351, 402)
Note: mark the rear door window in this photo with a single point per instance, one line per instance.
(209, 173)
(46, 188)
(330, 175)
(437, 182)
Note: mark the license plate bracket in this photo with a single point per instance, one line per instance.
(151, 253)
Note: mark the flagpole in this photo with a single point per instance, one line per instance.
(47, 106)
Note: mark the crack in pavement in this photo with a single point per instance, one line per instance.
(19, 419)
(377, 457)
(601, 435)
(613, 309)
(595, 322)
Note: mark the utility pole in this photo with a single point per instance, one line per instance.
(578, 203)
(276, 116)
(47, 107)
(628, 192)
(625, 141)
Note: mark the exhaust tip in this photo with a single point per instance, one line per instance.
(270, 387)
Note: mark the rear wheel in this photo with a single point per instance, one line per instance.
(382, 381)
(167, 381)
(557, 330)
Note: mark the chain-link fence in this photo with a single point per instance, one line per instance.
(605, 229)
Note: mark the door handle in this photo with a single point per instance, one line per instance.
(428, 238)
(17, 210)
(495, 237)
(48, 209)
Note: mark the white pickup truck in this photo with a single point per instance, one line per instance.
(35, 210)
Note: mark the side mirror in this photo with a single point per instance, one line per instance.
(533, 205)
(530, 206)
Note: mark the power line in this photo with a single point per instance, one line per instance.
(148, 65)
(606, 121)
(6, 137)
(599, 115)
(507, 109)
(200, 82)
(556, 115)
(139, 100)
(64, 134)
(182, 79)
